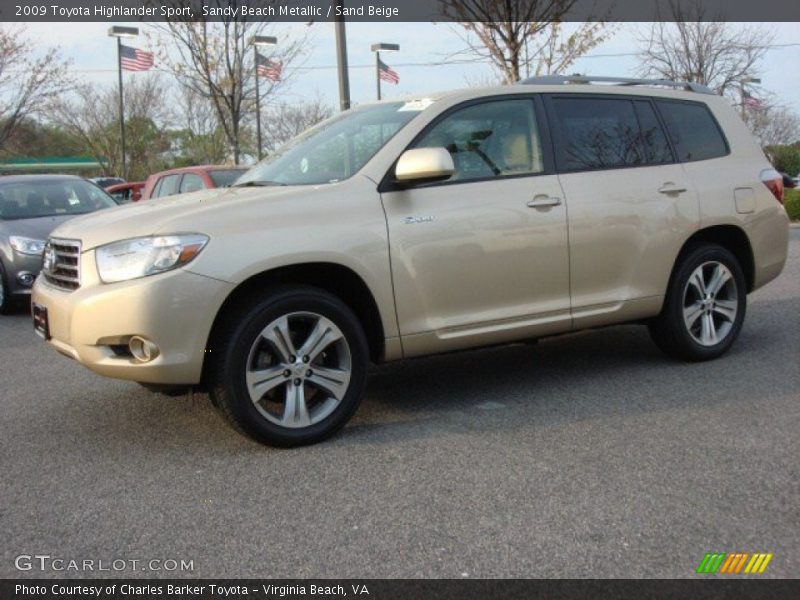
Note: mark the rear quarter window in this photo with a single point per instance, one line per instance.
(693, 130)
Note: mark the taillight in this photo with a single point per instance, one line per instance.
(774, 181)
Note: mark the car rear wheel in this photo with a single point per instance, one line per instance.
(290, 370)
(705, 305)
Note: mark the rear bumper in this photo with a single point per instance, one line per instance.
(174, 310)
(769, 239)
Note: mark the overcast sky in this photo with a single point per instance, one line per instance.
(94, 57)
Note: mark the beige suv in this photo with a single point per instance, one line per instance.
(401, 229)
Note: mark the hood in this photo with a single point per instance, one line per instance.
(185, 213)
(38, 228)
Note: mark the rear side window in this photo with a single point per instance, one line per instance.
(191, 183)
(598, 133)
(693, 130)
(226, 177)
(168, 186)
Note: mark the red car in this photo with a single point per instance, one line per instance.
(190, 179)
(126, 192)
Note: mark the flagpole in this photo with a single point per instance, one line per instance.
(258, 104)
(121, 106)
(378, 72)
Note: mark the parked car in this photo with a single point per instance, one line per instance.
(788, 182)
(190, 179)
(105, 182)
(408, 228)
(125, 193)
(31, 206)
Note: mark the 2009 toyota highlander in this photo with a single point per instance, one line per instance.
(402, 229)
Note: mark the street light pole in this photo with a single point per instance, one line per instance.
(119, 33)
(376, 48)
(378, 72)
(260, 40)
(258, 105)
(341, 58)
(121, 108)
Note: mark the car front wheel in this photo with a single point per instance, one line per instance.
(5, 295)
(291, 369)
(705, 305)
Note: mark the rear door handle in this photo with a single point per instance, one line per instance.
(544, 202)
(671, 188)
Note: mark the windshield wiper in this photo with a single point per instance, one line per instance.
(257, 183)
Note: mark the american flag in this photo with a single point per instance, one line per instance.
(133, 59)
(387, 73)
(266, 67)
(751, 101)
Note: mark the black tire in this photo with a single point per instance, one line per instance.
(6, 301)
(230, 353)
(670, 331)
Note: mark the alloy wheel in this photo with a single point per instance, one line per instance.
(710, 303)
(298, 369)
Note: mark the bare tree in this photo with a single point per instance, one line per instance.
(773, 124)
(694, 48)
(216, 60)
(523, 35)
(286, 121)
(27, 82)
(200, 138)
(91, 116)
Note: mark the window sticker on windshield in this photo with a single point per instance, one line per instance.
(416, 105)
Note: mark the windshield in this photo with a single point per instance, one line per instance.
(333, 150)
(51, 197)
(226, 177)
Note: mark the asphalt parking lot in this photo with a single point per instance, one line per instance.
(590, 455)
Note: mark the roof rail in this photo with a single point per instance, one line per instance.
(566, 79)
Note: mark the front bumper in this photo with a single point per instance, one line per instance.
(174, 310)
(17, 268)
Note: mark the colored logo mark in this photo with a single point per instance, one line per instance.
(734, 563)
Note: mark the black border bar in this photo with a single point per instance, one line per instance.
(398, 589)
(374, 10)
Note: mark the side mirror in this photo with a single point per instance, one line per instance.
(423, 165)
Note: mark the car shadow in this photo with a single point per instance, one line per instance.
(595, 374)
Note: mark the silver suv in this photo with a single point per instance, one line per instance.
(402, 229)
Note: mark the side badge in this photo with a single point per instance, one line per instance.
(413, 220)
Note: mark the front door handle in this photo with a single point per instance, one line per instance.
(671, 188)
(544, 202)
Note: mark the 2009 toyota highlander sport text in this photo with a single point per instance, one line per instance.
(402, 229)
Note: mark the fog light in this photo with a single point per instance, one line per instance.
(143, 350)
(25, 278)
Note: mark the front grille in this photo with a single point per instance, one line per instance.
(62, 263)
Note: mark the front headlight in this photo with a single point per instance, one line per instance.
(140, 257)
(25, 245)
